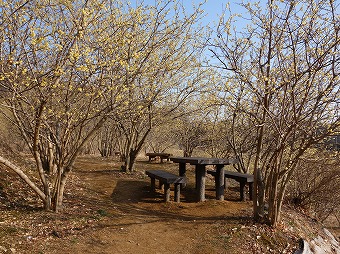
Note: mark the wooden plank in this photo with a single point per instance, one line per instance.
(165, 177)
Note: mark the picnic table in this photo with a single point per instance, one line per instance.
(200, 172)
(162, 156)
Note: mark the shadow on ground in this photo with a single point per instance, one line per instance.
(135, 197)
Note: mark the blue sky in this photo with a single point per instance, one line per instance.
(212, 8)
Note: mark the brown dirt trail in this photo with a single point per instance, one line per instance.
(107, 211)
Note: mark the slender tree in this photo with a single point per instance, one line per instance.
(287, 61)
(56, 87)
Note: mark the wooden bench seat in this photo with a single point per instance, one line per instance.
(242, 178)
(166, 178)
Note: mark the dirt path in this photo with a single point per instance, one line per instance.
(138, 221)
(107, 211)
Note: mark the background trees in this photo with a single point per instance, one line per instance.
(318, 192)
(190, 133)
(160, 70)
(287, 64)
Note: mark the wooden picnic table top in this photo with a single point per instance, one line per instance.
(158, 154)
(203, 160)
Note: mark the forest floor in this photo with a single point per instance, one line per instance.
(108, 211)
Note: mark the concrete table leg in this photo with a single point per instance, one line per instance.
(200, 177)
(177, 192)
(219, 182)
(182, 172)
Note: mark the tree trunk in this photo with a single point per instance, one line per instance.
(24, 177)
(132, 151)
(129, 161)
(259, 195)
(273, 197)
(187, 153)
(59, 196)
(133, 156)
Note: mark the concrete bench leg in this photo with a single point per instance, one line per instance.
(153, 184)
(167, 192)
(251, 191)
(177, 192)
(242, 185)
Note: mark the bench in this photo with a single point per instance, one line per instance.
(162, 156)
(242, 178)
(166, 178)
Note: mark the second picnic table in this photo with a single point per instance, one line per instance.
(200, 172)
(162, 156)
